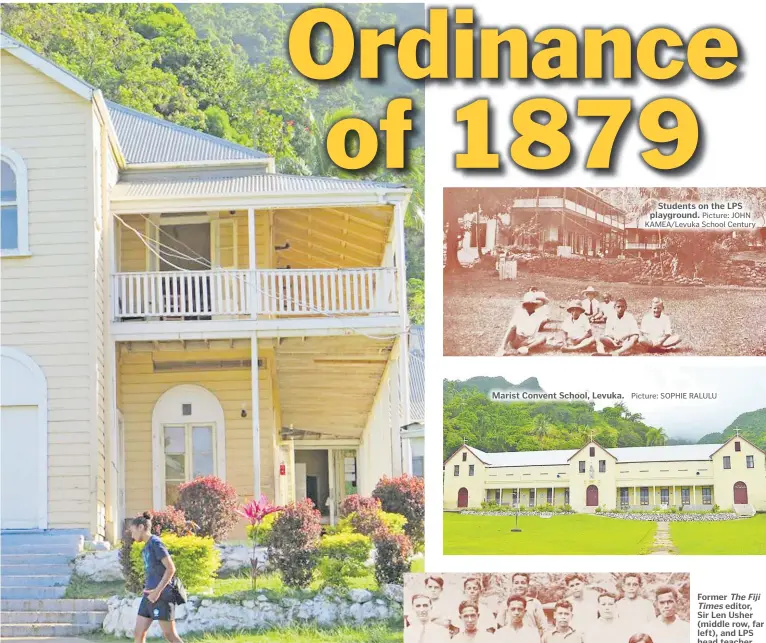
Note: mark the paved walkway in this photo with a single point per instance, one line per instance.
(663, 543)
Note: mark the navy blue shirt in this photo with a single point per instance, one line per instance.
(153, 553)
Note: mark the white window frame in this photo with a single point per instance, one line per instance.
(19, 168)
(206, 410)
(189, 449)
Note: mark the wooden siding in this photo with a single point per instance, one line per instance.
(328, 384)
(133, 252)
(46, 298)
(139, 388)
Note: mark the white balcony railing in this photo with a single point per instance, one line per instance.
(635, 245)
(233, 293)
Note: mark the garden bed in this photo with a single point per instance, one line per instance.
(666, 516)
(512, 512)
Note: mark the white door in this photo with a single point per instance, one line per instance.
(19, 454)
(300, 481)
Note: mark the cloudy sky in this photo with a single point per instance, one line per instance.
(740, 384)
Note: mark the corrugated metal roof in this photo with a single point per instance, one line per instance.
(214, 183)
(417, 374)
(147, 139)
(665, 454)
(624, 455)
(526, 458)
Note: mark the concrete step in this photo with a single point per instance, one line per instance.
(36, 580)
(76, 618)
(56, 536)
(27, 569)
(31, 592)
(36, 630)
(34, 559)
(53, 605)
(41, 548)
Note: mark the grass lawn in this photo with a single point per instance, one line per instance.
(569, 534)
(742, 537)
(478, 307)
(369, 634)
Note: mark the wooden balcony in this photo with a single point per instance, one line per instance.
(637, 245)
(211, 294)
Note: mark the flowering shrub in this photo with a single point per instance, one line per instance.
(294, 543)
(256, 511)
(343, 556)
(259, 535)
(355, 503)
(211, 504)
(196, 560)
(368, 520)
(392, 557)
(171, 520)
(404, 495)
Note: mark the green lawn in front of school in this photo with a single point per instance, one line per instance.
(567, 534)
(743, 537)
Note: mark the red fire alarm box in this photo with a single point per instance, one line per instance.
(282, 469)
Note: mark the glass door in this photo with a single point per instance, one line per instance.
(189, 453)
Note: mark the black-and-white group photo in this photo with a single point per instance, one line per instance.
(521, 607)
(576, 271)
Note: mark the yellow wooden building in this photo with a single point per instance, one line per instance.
(698, 477)
(173, 307)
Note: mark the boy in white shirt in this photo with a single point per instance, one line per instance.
(667, 627)
(471, 632)
(523, 333)
(591, 305)
(621, 332)
(607, 306)
(421, 629)
(576, 328)
(633, 610)
(656, 332)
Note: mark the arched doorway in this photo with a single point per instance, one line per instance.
(188, 439)
(462, 498)
(591, 496)
(740, 493)
(23, 441)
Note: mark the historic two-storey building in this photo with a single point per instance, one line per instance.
(173, 307)
(698, 476)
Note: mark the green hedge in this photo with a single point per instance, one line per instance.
(196, 559)
(343, 556)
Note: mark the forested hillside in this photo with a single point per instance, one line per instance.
(224, 69)
(532, 426)
(489, 384)
(751, 425)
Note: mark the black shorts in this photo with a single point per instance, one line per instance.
(162, 610)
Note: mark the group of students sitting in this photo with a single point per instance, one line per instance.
(620, 335)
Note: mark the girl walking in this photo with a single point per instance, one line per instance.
(158, 603)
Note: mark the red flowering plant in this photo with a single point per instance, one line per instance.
(256, 511)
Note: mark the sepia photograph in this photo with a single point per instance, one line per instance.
(604, 271)
(630, 461)
(521, 607)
